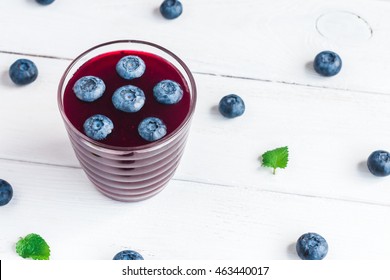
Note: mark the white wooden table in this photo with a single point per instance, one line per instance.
(221, 204)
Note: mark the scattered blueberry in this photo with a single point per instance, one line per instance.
(167, 92)
(130, 67)
(128, 255)
(6, 192)
(171, 9)
(327, 63)
(98, 127)
(23, 72)
(231, 106)
(128, 99)
(379, 163)
(152, 129)
(89, 88)
(45, 2)
(311, 246)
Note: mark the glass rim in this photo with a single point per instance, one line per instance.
(148, 146)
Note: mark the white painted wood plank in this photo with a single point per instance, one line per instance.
(32, 128)
(221, 203)
(186, 221)
(330, 134)
(268, 40)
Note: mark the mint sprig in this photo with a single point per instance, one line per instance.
(33, 246)
(277, 158)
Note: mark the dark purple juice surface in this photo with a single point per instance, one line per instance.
(125, 132)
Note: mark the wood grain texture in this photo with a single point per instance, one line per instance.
(268, 41)
(186, 221)
(221, 204)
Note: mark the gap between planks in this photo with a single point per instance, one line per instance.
(215, 184)
(218, 75)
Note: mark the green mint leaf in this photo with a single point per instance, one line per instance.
(277, 158)
(33, 246)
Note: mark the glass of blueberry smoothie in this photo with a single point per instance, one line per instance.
(127, 107)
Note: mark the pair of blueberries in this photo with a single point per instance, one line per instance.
(131, 99)
(98, 127)
(326, 63)
(309, 246)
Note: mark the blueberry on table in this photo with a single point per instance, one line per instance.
(311, 246)
(45, 2)
(379, 163)
(23, 72)
(152, 129)
(98, 127)
(89, 88)
(130, 67)
(231, 106)
(128, 99)
(327, 63)
(171, 9)
(128, 255)
(167, 92)
(6, 192)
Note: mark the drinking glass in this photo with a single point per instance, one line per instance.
(129, 173)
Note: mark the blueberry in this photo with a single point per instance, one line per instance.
(128, 255)
(130, 67)
(89, 88)
(98, 127)
(167, 92)
(327, 63)
(23, 72)
(128, 99)
(311, 246)
(6, 192)
(45, 2)
(152, 129)
(171, 9)
(379, 163)
(231, 106)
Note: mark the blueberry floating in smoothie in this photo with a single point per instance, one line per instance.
(98, 127)
(171, 9)
(167, 92)
(311, 246)
(128, 255)
(128, 99)
(23, 72)
(379, 163)
(89, 88)
(327, 63)
(152, 129)
(231, 106)
(6, 192)
(130, 67)
(125, 133)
